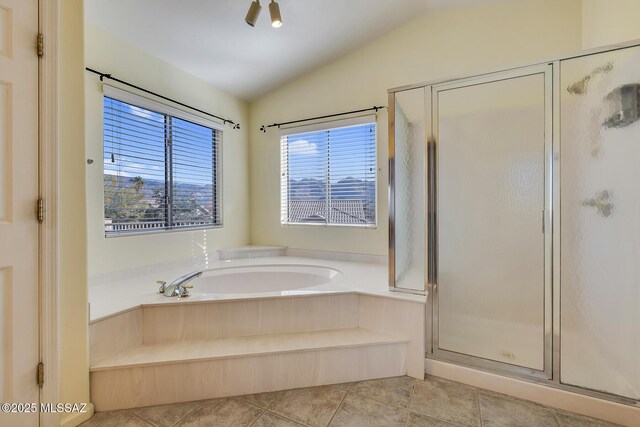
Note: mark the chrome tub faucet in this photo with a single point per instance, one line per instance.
(179, 287)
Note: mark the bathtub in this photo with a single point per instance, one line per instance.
(251, 279)
(240, 279)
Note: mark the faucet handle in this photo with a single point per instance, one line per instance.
(162, 287)
(187, 286)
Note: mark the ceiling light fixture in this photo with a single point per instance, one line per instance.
(253, 13)
(274, 11)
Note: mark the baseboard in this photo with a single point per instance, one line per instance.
(76, 418)
(556, 398)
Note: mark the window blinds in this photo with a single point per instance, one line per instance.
(161, 172)
(328, 176)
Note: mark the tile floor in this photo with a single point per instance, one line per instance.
(400, 401)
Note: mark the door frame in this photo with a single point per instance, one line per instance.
(48, 191)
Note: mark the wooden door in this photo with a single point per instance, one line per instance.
(18, 220)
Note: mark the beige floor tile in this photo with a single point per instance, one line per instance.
(434, 402)
(166, 415)
(310, 406)
(507, 412)
(446, 400)
(419, 420)
(567, 419)
(262, 400)
(269, 419)
(124, 418)
(356, 410)
(97, 418)
(343, 386)
(222, 412)
(396, 390)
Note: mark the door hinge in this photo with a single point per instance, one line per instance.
(40, 45)
(40, 374)
(40, 210)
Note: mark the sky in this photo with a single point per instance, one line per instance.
(351, 152)
(134, 145)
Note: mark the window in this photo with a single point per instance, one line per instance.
(328, 176)
(161, 168)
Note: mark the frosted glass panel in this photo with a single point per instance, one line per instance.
(491, 151)
(600, 222)
(410, 144)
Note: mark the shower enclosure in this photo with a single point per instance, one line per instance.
(514, 203)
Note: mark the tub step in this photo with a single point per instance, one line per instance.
(194, 370)
(224, 348)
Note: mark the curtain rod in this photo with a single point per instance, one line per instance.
(375, 108)
(110, 77)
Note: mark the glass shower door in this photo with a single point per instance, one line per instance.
(600, 222)
(493, 142)
(409, 159)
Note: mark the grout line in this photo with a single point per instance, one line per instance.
(430, 416)
(413, 389)
(142, 418)
(244, 401)
(555, 417)
(105, 418)
(338, 408)
(377, 399)
(479, 408)
(286, 418)
(268, 409)
(258, 417)
(454, 382)
(242, 397)
(191, 411)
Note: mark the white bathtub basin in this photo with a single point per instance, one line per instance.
(262, 278)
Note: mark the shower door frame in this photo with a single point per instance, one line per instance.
(554, 380)
(433, 350)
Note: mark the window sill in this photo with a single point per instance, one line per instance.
(355, 226)
(159, 231)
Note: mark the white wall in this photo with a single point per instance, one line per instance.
(437, 45)
(607, 22)
(109, 54)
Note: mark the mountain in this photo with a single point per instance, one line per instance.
(306, 189)
(183, 191)
(352, 188)
(347, 188)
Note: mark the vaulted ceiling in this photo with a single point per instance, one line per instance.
(210, 39)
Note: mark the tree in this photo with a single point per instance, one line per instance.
(138, 183)
(122, 202)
